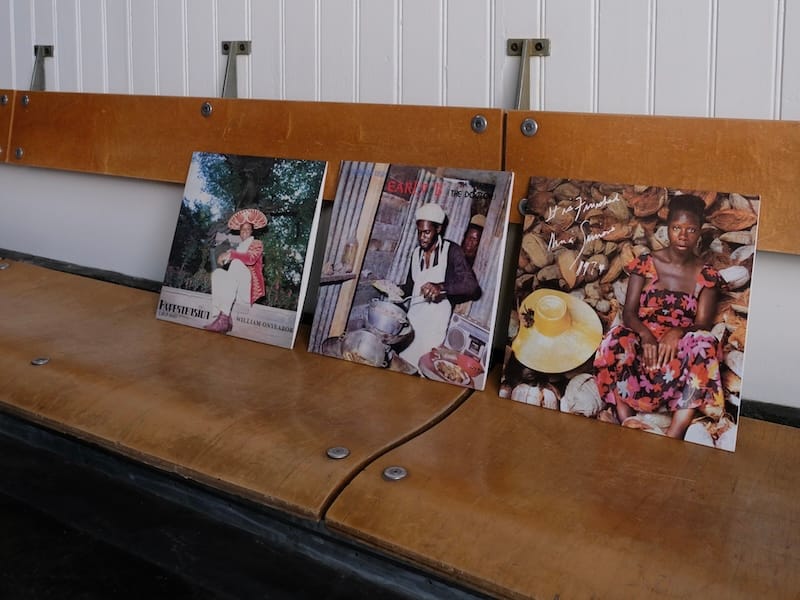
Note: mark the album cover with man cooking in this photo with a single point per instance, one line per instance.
(411, 271)
(631, 304)
(241, 256)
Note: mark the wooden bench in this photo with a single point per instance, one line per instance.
(509, 499)
(530, 503)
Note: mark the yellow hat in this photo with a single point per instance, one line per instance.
(557, 333)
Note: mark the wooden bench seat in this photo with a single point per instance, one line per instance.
(246, 418)
(529, 503)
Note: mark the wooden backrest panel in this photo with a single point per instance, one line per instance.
(248, 418)
(152, 137)
(6, 113)
(526, 502)
(728, 155)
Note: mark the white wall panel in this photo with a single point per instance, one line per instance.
(267, 55)
(625, 50)
(421, 59)
(22, 12)
(92, 46)
(570, 76)
(171, 57)
(118, 39)
(301, 23)
(378, 51)
(44, 34)
(746, 75)
(517, 19)
(67, 48)
(203, 49)
(234, 25)
(7, 46)
(683, 55)
(790, 50)
(143, 47)
(469, 53)
(338, 47)
(88, 219)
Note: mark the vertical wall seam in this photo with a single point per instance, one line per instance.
(32, 29)
(398, 40)
(443, 78)
(104, 13)
(652, 45)
(711, 101)
(56, 44)
(282, 50)
(13, 42)
(541, 83)
(248, 35)
(595, 83)
(129, 32)
(78, 46)
(491, 9)
(156, 50)
(185, 47)
(318, 50)
(780, 47)
(356, 95)
(216, 44)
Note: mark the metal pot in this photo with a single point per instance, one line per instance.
(363, 346)
(386, 316)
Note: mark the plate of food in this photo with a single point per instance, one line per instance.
(441, 369)
(390, 289)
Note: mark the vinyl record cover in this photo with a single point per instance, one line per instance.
(244, 240)
(631, 306)
(411, 271)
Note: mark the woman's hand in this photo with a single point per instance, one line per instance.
(668, 346)
(649, 350)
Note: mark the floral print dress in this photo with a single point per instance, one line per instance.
(691, 379)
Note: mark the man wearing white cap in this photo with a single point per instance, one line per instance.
(438, 273)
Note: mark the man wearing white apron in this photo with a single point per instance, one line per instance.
(438, 271)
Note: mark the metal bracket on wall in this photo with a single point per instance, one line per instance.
(232, 50)
(525, 49)
(40, 53)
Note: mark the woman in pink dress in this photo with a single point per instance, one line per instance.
(663, 357)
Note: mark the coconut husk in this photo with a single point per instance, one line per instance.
(733, 219)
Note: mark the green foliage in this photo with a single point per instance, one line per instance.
(283, 189)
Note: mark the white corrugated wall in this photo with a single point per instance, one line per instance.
(728, 58)
(713, 58)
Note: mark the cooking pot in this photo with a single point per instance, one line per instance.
(386, 316)
(363, 346)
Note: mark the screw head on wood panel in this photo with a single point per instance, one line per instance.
(394, 473)
(338, 452)
(41, 360)
(4, 99)
(479, 124)
(26, 100)
(529, 127)
(206, 109)
(18, 153)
